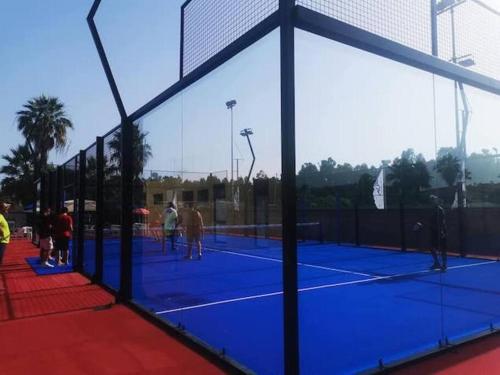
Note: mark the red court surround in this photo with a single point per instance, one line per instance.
(62, 324)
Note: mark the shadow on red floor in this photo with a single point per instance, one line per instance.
(62, 324)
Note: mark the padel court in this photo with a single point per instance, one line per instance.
(383, 305)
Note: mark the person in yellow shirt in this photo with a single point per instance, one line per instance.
(4, 229)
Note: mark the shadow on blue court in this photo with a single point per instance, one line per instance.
(358, 306)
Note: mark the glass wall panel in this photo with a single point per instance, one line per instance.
(141, 39)
(207, 205)
(402, 180)
(36, 211)
(90, 211)
(112, 209)
(70, 201)
(471, 302)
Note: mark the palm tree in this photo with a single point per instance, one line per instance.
(409, 176)
(140, 148)
(18, 183)
(448, 166)
(44, 125)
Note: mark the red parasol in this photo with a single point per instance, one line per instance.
(141, 211)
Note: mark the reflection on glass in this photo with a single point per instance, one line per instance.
(70, 201)
(151, 27)
(112, 209)
(90, 211)
(207, 210)
(402, 180)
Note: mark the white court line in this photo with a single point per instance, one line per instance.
(258, 296)
(280, 261)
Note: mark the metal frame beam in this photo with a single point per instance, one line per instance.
(104, 59)
(319, 24)
(81, 210)
(289, 190)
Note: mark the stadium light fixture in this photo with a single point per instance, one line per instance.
(466, 61)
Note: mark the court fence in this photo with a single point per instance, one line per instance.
(120, 205)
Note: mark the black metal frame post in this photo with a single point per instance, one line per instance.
(43, 191)
(52, 190)
(181, 49)
(434, 28)
(127, 182)
(59, 190)
(81, 210)
(33, 213)
(289, 189)
(356, 224)
(104, 60)
(402, 226)
(99, 222)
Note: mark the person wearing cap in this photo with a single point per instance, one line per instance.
(4, 229)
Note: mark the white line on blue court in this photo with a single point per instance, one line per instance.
(280, 261)
(325, 286)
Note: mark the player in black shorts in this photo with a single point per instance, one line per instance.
(438, 236)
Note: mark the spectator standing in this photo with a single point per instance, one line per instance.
(63, 232)
(4, 229)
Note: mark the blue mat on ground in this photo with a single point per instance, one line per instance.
(42, 270)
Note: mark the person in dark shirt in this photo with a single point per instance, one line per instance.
(63, 231)
(45, 233)
(438, 236)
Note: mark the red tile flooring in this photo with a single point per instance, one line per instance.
(478, 357)
(57, 325)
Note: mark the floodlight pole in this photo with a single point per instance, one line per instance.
(238, 168)
(247, 133)
(230, 105)
(450, 5)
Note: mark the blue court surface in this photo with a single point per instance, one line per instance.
(42, 270)
(358, 306)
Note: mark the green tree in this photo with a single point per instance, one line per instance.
(365, 191)
(141, 150)
(448, 166)
(44, 125)
(409, 176)
(18, 183)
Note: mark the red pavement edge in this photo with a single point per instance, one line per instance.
(63, 324)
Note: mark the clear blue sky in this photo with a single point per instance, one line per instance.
(47, 48)
(352, 106)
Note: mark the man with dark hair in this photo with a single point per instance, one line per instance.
(4, 229)
(63, 231)
(438, 235)
(170, 222)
